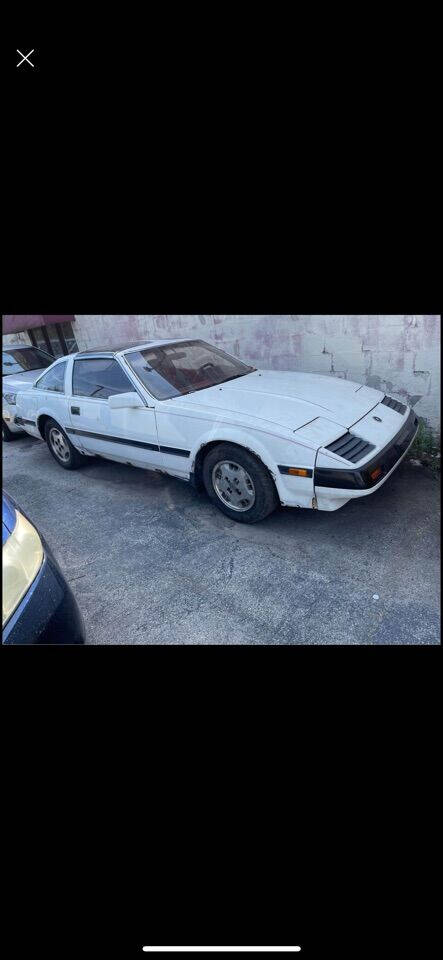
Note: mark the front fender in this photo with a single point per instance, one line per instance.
(274, 452)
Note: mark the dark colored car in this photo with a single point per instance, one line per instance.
(38, 604)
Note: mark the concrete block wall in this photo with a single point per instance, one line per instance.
(399, 354)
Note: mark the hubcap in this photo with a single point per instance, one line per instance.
(233, 485)
(58, 444)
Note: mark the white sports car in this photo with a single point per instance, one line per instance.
(252, 438)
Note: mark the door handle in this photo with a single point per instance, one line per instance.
(75, 410)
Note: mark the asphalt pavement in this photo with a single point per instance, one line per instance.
(151, 561)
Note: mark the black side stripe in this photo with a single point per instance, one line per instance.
(20, 421)
(174, 451)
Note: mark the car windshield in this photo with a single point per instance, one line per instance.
(172, 370)
(24, 358)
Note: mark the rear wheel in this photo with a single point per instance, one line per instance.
(7, 434)
(61, 447)
(239, 484)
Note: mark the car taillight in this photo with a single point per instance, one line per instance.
(22, 559)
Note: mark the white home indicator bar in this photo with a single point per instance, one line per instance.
(222, 949)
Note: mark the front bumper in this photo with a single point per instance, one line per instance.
(360, 479)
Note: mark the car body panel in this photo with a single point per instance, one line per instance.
(95, 421)
(376, 431)
(21, 381)
(13, 382)
(16, 383)
(95, 428)
(358, 481)
(332, 498)
(285, 418)
(179, 425)
(36, 401)
(287, 399)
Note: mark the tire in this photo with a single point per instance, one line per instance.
(238, 484)
(61, 448)
(7, 434)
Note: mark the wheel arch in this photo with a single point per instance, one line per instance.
(196, 476)
(42, 420)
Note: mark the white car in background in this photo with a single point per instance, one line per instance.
(21, 365)
(252, 438)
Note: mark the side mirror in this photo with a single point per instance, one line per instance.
(119, 401)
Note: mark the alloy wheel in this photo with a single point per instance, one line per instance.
(59, 444)
(233, 485)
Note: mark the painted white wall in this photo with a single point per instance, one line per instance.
(399, 354)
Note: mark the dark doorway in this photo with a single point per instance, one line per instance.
(55, 338)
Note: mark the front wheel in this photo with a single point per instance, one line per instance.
(239, 484)
(61, 447)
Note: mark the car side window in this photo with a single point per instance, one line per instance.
(54, 379)
(100, 378)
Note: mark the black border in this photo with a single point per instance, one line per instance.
(154, 791)
(185, 789)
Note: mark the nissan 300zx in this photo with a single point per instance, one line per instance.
(251, 438)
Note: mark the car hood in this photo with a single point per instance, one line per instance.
(289, 399)
(21, 381)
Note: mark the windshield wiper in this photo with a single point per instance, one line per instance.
(208, 386)
(235, 377)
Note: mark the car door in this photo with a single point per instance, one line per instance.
(178, 433)
(128, 435)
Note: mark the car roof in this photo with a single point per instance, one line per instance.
(129, 346)
(113, 350)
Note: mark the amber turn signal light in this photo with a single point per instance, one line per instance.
(376, 473)
(298, 472)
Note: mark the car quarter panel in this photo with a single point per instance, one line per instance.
(16, 384)
(31, 406)
(37, 402)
